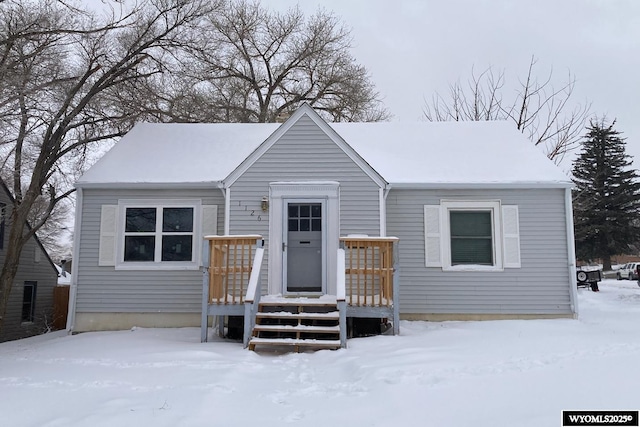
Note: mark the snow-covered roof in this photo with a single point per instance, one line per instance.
(178, 153)
(421, 153)
(64, 277)
(450, 153)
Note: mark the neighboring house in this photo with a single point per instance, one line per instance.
(484, 220)
(64, 275)
(30, 307)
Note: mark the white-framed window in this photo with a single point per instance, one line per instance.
(160, 234)
(472, 235)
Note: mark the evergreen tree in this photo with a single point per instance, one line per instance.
(607, 196)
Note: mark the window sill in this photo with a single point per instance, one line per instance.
(473, 268)
(166, 266)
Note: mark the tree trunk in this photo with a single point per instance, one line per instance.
(12, 258)
(606, 263)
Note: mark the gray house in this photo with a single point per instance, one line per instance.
(428, 221)
(30, 307)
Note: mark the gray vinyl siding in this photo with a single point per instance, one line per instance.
(107, 290)
(305, 153)
(540, 286)
(42, 272)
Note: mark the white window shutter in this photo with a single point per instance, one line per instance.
(209, 220)
(432, 235)
(511, 236)
(107, 251)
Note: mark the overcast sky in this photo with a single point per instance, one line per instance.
(414, 48)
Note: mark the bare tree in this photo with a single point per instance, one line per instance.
(539, 110)
(252, 64)
(58, 67)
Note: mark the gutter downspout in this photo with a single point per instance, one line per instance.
(73, 287)
(382, 196)
(226, 193)
(571, 252)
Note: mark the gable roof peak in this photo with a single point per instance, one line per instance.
(305, 109)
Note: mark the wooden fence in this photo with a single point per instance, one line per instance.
(60, 307)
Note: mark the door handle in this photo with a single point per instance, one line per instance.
(284, 246)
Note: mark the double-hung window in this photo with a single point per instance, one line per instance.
(154, 234)
(158, 235)
(472, 235)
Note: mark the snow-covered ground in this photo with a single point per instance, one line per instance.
(498, 373)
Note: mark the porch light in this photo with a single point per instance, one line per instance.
(264, 204)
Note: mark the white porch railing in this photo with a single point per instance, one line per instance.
(252, 298)
(341, 297)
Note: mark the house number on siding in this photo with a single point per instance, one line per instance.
(252, 212)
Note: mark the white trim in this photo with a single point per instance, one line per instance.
(194, 264)
(75, 265)
(147, 185)
(329, 191)
(478, 185)
(399, 185)
(304, 110)
(571, 252)
(496, 219)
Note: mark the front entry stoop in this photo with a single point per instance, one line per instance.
(295, 323)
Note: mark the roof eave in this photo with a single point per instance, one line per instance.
(481, 185)
(147, 185)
